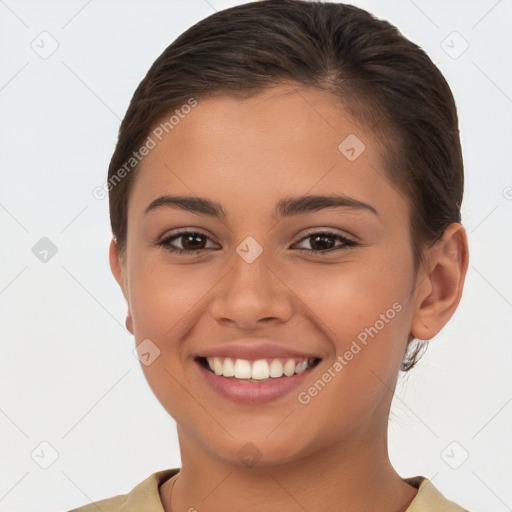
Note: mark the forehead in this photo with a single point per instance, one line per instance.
(283, 139)
(283, 120)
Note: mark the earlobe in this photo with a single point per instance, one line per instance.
(440, 289)
(129, 321)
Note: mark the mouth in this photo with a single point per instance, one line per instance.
(256, 371)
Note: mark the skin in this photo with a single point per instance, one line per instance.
(329, 454)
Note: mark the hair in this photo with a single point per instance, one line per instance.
(385, 82)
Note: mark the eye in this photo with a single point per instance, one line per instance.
(192, 242)
(324, 242)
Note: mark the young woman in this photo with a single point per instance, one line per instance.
(285, 203)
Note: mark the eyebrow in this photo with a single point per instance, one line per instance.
(284, 208)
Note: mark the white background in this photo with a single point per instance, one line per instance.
(68, 374)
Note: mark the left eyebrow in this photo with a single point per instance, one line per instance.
(284, 208)
(304, 204)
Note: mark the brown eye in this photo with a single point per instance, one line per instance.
(190, 241)
(193, 241)
(324, 242)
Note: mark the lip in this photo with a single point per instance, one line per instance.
(252, 351)
(245, 392)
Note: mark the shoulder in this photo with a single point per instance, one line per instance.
(429, 498)
(144, 497)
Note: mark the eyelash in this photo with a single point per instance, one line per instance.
(346, 242)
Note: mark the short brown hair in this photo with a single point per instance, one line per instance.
(385, 81)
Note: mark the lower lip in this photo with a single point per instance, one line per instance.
(243, 392)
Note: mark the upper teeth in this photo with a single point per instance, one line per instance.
(259, 369)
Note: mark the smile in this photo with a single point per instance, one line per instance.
(257, 381)
(257, 370)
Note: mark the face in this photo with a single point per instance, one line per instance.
(328, 279)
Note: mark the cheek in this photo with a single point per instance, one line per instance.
(363, 309)
(162, 306)
(365, 315)
(164, 296)
(348, 297)
(166, 304)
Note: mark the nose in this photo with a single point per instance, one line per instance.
(251, 295)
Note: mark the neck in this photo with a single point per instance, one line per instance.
(353, 476)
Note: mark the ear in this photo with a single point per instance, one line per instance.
(440, 285)
(117, 266)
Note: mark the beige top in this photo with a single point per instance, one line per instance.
(146, 498)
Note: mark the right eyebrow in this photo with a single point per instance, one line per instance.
(192, 204)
